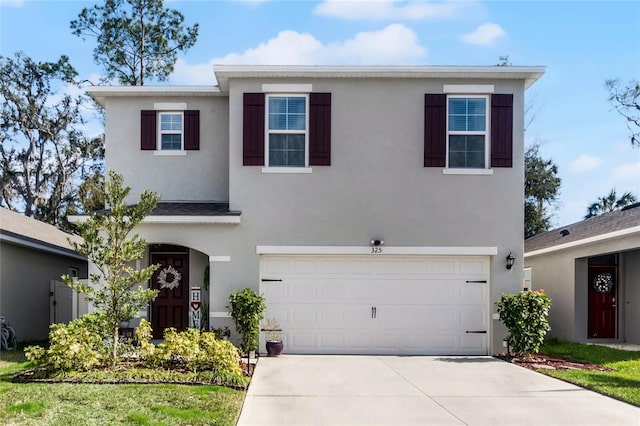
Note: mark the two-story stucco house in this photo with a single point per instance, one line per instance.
(373, 206)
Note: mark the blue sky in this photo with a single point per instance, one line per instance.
(581, 43)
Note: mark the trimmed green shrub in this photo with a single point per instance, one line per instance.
(525, 316)
(190, 349)
(246, 307)
(78, 345)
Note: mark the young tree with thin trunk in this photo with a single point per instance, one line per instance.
(117, 289)
(138, 40)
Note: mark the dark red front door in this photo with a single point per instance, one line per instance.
(603, 290)
(171, 307)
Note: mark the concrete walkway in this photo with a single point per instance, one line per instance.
(386, 390)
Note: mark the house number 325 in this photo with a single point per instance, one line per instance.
(376, 250)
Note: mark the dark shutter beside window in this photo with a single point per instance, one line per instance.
(435, 130)
(501, 130)
(320, 129)
(192, 130)
(148, 139)
(253, 129)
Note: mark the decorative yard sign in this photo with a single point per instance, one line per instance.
(194, 307)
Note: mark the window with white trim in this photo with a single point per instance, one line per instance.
(170, 131)
(287, 125)
(467, 135)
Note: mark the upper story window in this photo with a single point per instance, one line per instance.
(287, 139)
(287, 130)
(467, 124)
(468, 129)
(171, 131)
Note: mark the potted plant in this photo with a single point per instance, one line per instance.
(273, 337)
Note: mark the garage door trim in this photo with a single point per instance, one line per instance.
(380, 251)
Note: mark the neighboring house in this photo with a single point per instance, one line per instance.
(33, 257)
(591, 271)
(372, 206)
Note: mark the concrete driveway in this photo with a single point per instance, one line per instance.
(387, 390)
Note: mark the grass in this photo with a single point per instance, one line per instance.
(87, 404)
(622, 383)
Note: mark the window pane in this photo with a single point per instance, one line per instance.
(296, 122)
(277, 105)
(466, 151)
(476, 123)
(295, 142)
(278, 142)
(171, 122)
(476, 106)
(277, 158)
(475, 160)
(287, 113)
(475, 143)
(277, 121)
(467, 114)
(296, 105)
(457, 123)
(457, 106)
(286, 150)
(296, 159)
(171, 142)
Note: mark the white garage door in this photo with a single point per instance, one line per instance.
(410, 305)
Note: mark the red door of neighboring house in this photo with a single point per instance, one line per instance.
(603, 290)
(171, 307)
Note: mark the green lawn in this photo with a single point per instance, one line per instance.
(82, 404)
(623, 383)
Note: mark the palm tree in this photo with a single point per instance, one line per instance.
(610, 203)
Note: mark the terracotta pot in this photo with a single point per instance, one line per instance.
(274, 348)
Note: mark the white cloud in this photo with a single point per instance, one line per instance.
(387, 9)
(584, 163)
(484, 35)
(394, 44)
(629, 174)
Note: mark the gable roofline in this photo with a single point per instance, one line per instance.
(608, 226)
(530, 74)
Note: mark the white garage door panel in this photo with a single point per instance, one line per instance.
(378, 305)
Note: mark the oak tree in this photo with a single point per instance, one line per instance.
(45, 153)
(541, 191)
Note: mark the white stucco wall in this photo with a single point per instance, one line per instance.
(376, 186)
(201, 175)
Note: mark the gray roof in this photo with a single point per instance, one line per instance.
(606, 223)
(193, 209)
(20, 229)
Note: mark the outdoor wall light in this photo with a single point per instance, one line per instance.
(510, 260)
(377, 243)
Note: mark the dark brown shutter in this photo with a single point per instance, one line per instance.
(320, 129)
(435, 130)
(253, 129)
(501, 130)
(192, 130)
(148, 139)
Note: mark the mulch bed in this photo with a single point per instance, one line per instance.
(552, 362)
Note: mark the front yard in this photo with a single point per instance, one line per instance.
(84, 404)
(622, 382)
